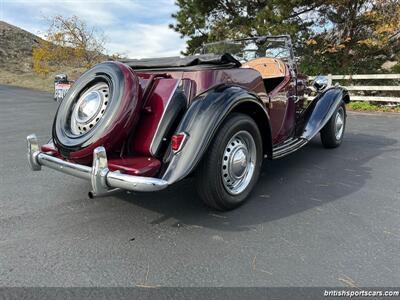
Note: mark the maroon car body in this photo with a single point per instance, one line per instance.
(142, 125)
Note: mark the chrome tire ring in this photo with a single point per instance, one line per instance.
(339, 123)
(89, 108)
(238, 162)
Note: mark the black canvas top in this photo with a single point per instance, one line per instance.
(203, 60)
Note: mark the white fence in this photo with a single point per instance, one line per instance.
(360, 88)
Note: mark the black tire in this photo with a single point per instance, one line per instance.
(328, 133)
(209, 177)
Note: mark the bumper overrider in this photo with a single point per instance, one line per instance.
(103, 181)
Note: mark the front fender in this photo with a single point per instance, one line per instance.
(321, 110)
(201, 122)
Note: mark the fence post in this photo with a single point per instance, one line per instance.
(329, 80)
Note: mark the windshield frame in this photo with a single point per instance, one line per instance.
(287, 44)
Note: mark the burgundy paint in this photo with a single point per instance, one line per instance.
(196, 82)
(200, 81)
(50, 149)
(206, 79)
(150, 118)
(282, 109)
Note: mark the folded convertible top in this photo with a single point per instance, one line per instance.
(203, 60)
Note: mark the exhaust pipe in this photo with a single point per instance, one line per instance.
(93, 195)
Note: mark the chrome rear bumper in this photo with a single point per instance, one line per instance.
(101, 178)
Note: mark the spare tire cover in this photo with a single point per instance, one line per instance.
(113, 111)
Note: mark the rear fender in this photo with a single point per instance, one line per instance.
(321, 110)
(201, 122)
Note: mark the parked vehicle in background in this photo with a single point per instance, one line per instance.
(143, 125)
(61, 86)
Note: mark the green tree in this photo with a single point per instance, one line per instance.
(345, 36)
(213, 20)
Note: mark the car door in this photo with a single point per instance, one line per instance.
(282, 109)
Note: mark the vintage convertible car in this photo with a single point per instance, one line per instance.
(142, 125)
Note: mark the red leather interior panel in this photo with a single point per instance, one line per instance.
(139, 166)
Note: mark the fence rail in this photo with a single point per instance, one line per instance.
(361, 76)
(359, 88)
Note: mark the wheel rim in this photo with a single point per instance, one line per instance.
(238, 162)
(339, 123)
(89, 108)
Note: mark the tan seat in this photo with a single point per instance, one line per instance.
(268, 67)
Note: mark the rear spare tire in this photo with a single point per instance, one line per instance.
(100, 109)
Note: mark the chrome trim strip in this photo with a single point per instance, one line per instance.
(286, 149)
(102, 180)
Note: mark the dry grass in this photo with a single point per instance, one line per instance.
(27, 80)
(34, 81)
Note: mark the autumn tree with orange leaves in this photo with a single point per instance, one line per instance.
(68, 42)
(359, 37)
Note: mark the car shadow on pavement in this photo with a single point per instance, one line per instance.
(311, 177)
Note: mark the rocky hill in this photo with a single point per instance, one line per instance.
(16, 48)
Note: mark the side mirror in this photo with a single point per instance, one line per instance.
(320, 83)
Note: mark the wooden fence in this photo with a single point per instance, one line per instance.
(360, 88)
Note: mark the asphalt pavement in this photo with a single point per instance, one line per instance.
(316, 218)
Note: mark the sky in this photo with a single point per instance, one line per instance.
(134, 28)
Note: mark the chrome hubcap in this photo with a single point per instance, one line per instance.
(339, 124)
(238, 162)
(89, 108)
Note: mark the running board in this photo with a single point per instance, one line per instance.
(288, 147)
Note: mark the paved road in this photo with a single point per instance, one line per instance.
(316, 218)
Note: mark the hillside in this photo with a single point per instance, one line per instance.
(16, 46)
(16, 58)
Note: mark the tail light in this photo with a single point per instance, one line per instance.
(178, 141)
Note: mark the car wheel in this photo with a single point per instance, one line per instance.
(333, 132)
(231, 166)
(99, 110)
